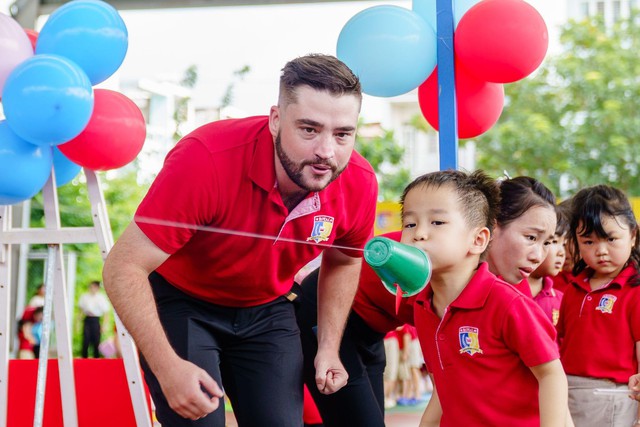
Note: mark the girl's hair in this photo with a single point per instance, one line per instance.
(588, 207)
(520, 194)
(479, 194)
(563, 217)
(320, 72)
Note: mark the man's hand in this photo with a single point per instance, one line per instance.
(185, 386)
(331, 375)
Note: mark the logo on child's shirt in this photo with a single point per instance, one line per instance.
(555, 315)
(322, 226)
(469, 342)
(606, 303)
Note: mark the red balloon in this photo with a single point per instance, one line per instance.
(33, 37)
(479, 103)
(501, 41)
(114, 136)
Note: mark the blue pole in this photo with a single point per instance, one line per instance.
(447, 118)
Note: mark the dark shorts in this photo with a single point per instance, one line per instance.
(253, 352)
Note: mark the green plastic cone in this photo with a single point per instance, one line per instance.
(397, 263)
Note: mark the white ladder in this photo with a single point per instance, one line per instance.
(55, 236)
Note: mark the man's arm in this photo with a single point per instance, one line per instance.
(125, 277)
(337, 287)
(553, 393)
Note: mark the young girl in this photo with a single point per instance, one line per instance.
(541, 280)
(490, 349)
(525, 226)
(564, 278)
(600, 317)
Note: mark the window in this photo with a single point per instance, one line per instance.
(616, 10)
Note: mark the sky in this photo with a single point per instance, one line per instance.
(163, 43)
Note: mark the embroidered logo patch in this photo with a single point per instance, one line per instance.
(322, 226)
(606, 303)
(469, 342)
(555, 315)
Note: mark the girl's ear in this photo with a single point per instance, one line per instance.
(480, 241)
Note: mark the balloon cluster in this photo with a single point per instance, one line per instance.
(54, 116)
(393, 51)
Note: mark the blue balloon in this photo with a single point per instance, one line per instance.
(63, 168)
(89, 32)
(391, 49)
(48, 100)
(427, 10)
(24, 167)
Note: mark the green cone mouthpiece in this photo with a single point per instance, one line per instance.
(397, 263)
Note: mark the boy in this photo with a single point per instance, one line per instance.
(490, 349)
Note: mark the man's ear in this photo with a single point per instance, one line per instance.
(274, 120)
(480, 241)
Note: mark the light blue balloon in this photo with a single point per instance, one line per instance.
(63, 168)
(391, 49)
(48, 100)
(427, 10)
(24, 167)
(89, 32)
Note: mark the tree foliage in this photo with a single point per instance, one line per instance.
(575, 122)
(385, 156)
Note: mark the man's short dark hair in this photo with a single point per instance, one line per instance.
(320, 72)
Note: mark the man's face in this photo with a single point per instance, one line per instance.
(314, 137)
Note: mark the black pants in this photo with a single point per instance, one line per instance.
(91, 336)
(253, 352)
(361, 402)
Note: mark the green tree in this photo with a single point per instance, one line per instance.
(189, 80)
(385, 156)
(238, 75)
(576, 120)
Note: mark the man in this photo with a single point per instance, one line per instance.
(93, 305)
(238, 208)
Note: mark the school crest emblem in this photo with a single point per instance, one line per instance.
(322, 226)
(606, 303)
(469, 342)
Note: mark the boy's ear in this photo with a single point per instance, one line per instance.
(481, 241)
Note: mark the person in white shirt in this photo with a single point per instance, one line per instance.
(94, 305)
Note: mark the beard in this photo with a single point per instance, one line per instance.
(295, 171)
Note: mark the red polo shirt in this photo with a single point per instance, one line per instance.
(480, 353)
(549, 300)
(599, 329)
(230, 237)
(562, 280)
(376, 305)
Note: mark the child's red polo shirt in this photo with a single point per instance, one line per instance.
(481, 351)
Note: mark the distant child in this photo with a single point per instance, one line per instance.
(564, 278)
(600, 314)
(541, 280)
(490, 349)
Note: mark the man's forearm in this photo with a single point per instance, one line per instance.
(132, 298)
(337, 287)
